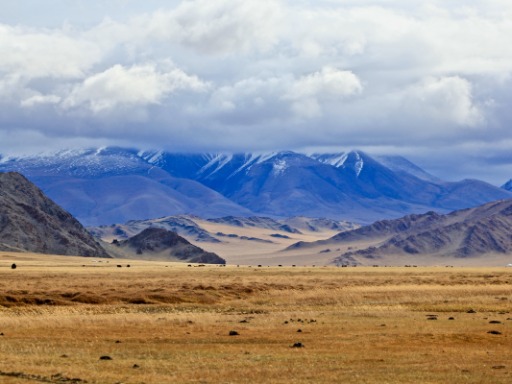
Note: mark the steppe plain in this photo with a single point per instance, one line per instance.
(78, 320)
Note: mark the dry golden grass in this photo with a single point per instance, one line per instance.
(169, 323)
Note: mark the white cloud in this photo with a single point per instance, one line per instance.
(31, 53)
(327, 83)
(268, 73)
(39, 99)
(284, 98)
(136, 85)
(220, 26)
(447, 99)
(325, 86)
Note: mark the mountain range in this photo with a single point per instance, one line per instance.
(192, 227)
(115, 185)
(31, 222)
(477, 232)
(161, 244)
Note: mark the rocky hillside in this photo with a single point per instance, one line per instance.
(192, 227)
(465, 233)
(30, 221)
(161, 244)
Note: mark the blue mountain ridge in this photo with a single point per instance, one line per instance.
(114, 185)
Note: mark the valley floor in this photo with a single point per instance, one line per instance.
(78, 320)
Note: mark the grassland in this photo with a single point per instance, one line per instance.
(170, 323)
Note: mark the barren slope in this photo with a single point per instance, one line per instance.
(29, 221)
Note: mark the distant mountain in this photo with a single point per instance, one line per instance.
(30, 221)
(161, 244)
(182, 225)
(318, 224)
(507, 185)
(474, 232)
(351, 186)
(258, 222)
(114, 185)
(191, 227)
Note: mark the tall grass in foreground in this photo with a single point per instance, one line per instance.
(163, 324)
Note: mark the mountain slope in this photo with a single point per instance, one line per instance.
(29, 221)
(182, 225)
(113, 185)
(469, 233)
(352, 186)
(161, 244)
(507, 185)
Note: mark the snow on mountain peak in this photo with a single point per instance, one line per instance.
(359, 164)
(353, 160)
(279, 167)
(336, 160)
(151, 157)
(217, 162)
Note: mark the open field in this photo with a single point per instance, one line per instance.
(170, 323)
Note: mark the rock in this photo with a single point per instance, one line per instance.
(233, 333)
(105, 357)
(157, 241)
(32, 222)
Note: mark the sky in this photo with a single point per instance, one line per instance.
(428, 80)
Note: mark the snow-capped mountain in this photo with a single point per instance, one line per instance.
(113, 185)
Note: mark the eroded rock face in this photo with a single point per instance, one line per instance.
(161, 241)
(30, 221)
(465, 233)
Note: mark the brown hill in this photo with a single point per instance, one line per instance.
(30, 221)
(161, 244)
(467, 233)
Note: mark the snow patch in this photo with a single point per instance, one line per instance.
(217, 162)
(155, 158)
(99, 150)
(279, 167)
(337, 160)
(252, 159)
(359, 164)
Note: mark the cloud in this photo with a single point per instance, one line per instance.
(327, 85)
(39, 99)
(283, 99)
(267, 74)
(445, 100)
(37, 53)
(136, 85)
